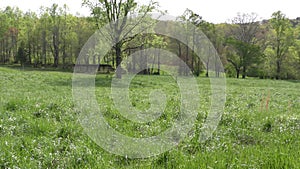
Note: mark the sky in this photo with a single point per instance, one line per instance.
(216, 11)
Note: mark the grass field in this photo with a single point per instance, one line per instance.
(260, 127)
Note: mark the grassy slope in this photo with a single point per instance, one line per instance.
(39, 128)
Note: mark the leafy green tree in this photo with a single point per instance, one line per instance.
(210, 31)
(21, 55)
(116, 13)
(4, 24)
(283, 39)
(211, 47)
(26, 34)
(9, 29)
(243, 39)
(187, 19)
(160, 43)
(55, 15)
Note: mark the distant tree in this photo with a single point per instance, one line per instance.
(187, 19)
(251, 54)
(283, 39)
(4, 24)
(27, 35)
(21, 55)
(243, 39)
(55, 15)
(209, 30)
(160, 43)
(9, 33)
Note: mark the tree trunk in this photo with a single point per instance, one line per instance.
(186, 71)
(29, 54)
(244, 72)
(118, 60)
(94, 59)
(179, 55)
(44, 46)
(158, 63)
(193, 50)
(217, 67)
(133, 64)
(64, 56)
(56, 55)
(56, 49)
(146, 70)
(278, 69)
(237, 73)
(207, 69)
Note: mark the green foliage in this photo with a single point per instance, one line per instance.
(243, 40)
(21, 55)
(116, 13)
(247, 55)
(54, 37)
(283, 39)
(51, 36)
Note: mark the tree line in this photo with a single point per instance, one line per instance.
(246, 45)
(52, 37)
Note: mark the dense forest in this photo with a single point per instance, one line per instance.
(247, 46)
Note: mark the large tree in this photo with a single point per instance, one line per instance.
(244, 56)
(116, 13)
(243, 39)
(283, 39)
(56, 21)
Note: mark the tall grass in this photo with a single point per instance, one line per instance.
(260, 127)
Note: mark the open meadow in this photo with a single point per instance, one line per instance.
(39, 128)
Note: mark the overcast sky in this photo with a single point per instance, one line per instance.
(211, 10)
